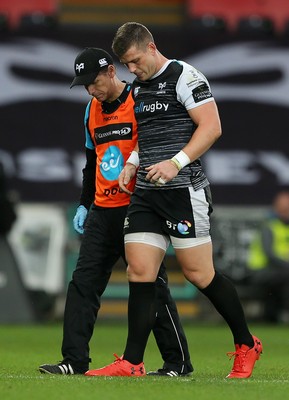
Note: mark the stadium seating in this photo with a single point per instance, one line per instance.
(207, 17)
(207, 24)
(4, 23)
(37, 21)
(255, 26)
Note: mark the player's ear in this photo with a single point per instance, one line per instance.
(151, 47)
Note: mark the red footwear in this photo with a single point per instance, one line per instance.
(119, 367)
(245, 358)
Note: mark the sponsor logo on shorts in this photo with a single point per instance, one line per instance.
(184, 227)
(126, 222)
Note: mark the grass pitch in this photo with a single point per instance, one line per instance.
(24, 348)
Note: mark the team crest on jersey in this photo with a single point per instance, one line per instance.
(162, 87)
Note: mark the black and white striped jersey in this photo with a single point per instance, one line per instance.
(164, 125)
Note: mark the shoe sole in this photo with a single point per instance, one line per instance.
(44, 371)
(169, 376)
(259, 350)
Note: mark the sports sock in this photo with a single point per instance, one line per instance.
(223, 295)
(141, 318)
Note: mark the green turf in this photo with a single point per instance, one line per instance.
(23, 348)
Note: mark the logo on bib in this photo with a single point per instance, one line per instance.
(112, 163)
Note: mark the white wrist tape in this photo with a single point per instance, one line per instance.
(181, 160)
(133, 158)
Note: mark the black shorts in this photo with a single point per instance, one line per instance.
(181, 213)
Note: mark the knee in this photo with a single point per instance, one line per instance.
(140, 273)
(201, 279)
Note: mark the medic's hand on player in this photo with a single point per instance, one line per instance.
(126, 175)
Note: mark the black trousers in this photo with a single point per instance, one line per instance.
(101, 246)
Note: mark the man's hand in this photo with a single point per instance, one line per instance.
(162, 172)
(126, 175)
(79, 219)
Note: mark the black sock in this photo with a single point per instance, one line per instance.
(141, 319)
(223, 295)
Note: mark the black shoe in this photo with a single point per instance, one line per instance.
(61, 369)
(167, 372)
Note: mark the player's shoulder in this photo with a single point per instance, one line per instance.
(193, 72)
(191, 76)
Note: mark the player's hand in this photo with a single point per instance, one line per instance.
(126, 175)
(79, 219)
(161, 173)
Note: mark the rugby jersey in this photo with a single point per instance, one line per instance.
(164, 125)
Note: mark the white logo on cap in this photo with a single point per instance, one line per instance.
(78, 67)
(103, 62)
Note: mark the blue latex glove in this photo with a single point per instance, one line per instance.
(79, 219)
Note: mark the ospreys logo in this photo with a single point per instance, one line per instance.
(78, 67)
(162, 88)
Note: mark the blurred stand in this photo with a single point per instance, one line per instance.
(268, 260)
(255, 26)
(15, 305)
(39, 238)
(37, 23)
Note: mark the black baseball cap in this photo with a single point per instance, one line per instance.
(88, 64)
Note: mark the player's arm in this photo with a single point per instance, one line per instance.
(207, 119)
(208, 130)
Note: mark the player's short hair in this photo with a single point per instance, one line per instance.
(128, 35)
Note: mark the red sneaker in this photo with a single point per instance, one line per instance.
(119, 367)
(245, 358)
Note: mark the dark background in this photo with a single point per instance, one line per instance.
(57, 123)
(247, 64)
